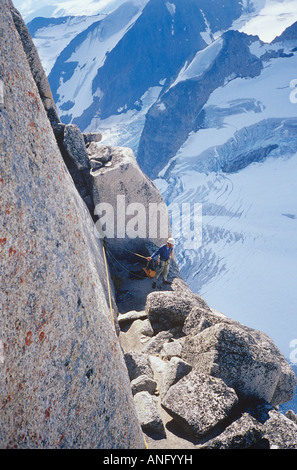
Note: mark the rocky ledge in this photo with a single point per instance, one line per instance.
(202, 380)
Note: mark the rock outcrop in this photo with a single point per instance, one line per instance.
(131, 210)
(64, 382)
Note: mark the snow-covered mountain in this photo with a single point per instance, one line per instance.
(239, 161)
(31, 9)
(210, 111)
(114, 68)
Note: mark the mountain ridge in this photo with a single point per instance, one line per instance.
(263, 103)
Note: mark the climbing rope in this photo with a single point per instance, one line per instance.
(122, 266)
(109, 290)
(133, 253)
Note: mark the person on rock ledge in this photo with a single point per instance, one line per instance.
(163, 255)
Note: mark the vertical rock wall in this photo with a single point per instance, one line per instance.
(64, 383)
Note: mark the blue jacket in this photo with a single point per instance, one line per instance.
(163, 252)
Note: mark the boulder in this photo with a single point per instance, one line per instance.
(135, 213)
(280, 431)
(174, 370)
(236, 355)
(131, 316)
(158, 366)
(156, 344)
(143, 383)
(181, 287)
(138, 364)
(200, 318)
(199, 402)
(166, 310)
(148, 414)
(74, 145)
(287, 382)
(172, 348)
(243, 433)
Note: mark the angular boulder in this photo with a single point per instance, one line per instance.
(148, 414)
(172, 348)
(199, 319)
(170, 309)
(157, 343)
(174, 370)
(143, 383)
(167, 310)
(181, 287)
(280, 431)
(243, 433)
(131, 316)
(237, 355)
(138, 364)
(199, 402)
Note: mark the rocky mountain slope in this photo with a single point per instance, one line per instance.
(210, 69)
(66, 359)
(210, 117)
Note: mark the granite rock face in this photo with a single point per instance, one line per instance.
(63, 375)
(131, 211)
(36, 68)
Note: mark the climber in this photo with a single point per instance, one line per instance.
(164, 254)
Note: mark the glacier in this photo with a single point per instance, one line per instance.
(241, 166)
